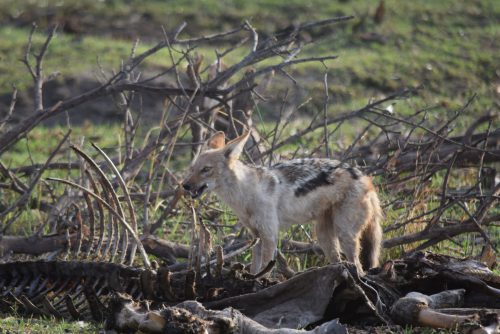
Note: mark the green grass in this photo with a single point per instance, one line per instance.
(11, 324)
(41, 141)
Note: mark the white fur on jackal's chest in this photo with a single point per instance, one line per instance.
(291, 192)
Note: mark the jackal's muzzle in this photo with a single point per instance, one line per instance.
(194, 192)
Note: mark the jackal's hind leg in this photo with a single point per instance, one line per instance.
(349, 223)
(327, 238)
(351, 249)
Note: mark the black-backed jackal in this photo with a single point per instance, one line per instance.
(339, 198)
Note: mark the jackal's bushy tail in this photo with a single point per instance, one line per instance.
(371, 239)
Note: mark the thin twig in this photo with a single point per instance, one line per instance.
(22, 200)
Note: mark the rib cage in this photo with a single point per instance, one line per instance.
(76, 290)
(110, 234)
(70, 290)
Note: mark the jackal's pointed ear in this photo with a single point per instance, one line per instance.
(217, 140)
(233, 149)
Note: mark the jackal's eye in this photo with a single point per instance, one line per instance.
(206, 169)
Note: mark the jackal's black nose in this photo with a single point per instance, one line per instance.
(186, 186)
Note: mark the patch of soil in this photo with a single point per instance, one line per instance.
(81, 22)
(101, 110)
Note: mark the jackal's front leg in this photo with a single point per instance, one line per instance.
(268, 250)
(256, 257)
(263, 253)
(266, 229)
(257, 248)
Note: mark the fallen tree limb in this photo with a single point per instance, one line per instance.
(292, 246)
(440, 233)
(34, 245)
(165, 249)
(418, 309)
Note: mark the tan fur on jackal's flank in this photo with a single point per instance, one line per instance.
(338, 197)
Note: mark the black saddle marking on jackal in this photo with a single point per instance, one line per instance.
(295, 170)
(305, 175)
(322, 179)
